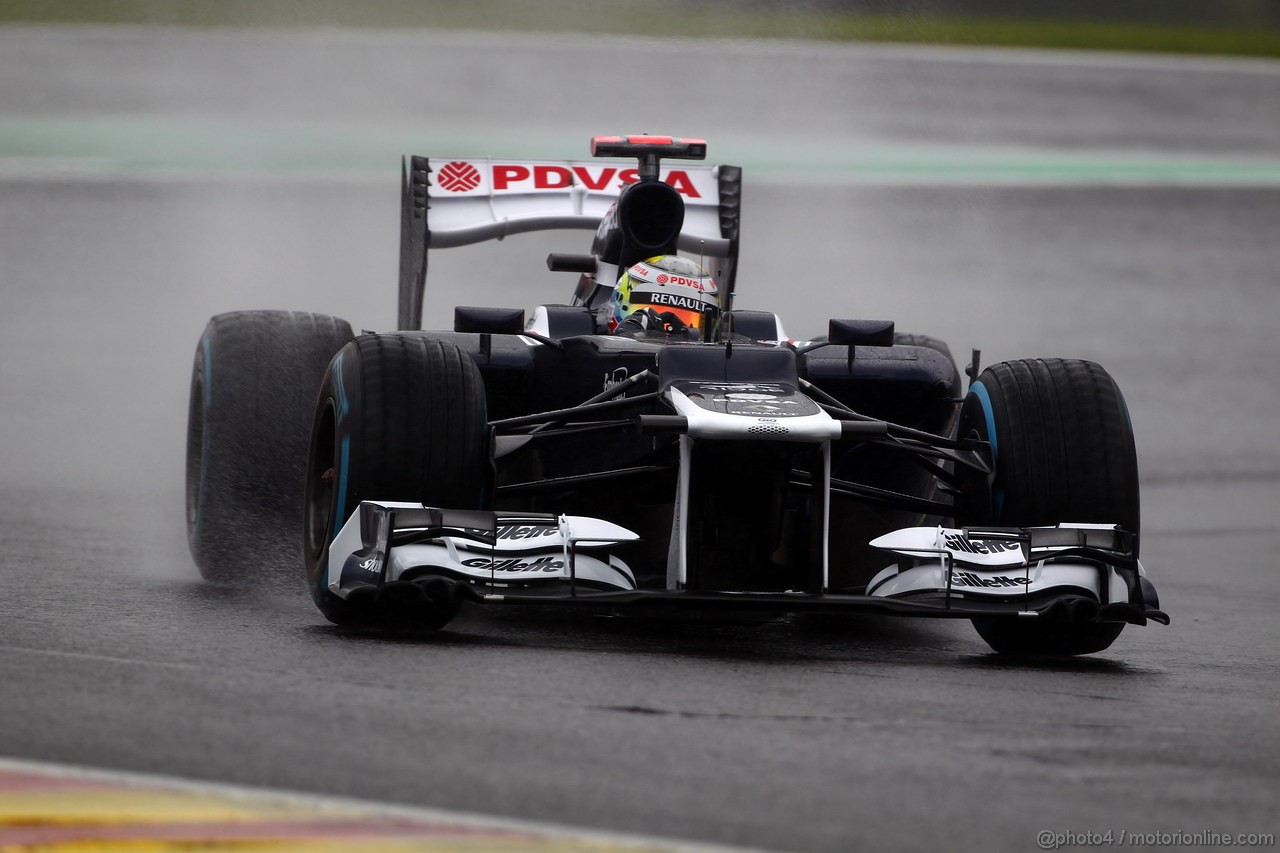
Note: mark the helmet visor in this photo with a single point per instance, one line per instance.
(681, 318)
(680, 311)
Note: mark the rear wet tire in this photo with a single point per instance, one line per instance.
(910, 339)
(253, 388)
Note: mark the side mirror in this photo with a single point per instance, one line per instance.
(860, 333)
(497, 321)
(558, 262)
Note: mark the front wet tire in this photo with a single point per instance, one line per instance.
(1064, 452)
(400, 417)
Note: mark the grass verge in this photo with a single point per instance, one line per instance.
(657, 18)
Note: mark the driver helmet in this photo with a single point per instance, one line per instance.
(666, 293)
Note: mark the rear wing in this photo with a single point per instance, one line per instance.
(456, 202)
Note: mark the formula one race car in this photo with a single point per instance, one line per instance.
(649, 449)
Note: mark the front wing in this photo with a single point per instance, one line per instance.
(1070, 573)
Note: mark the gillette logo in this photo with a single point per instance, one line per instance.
(971, 580)
(954, 542)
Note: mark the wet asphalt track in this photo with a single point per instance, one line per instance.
(150, 179)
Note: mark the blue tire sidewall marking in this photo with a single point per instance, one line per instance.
(344, 406)
(988, 413)
(340, 516)
(984, 399)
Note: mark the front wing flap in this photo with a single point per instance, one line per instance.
(1091, 568)
(388, 543)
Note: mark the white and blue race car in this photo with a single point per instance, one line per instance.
(699, 461)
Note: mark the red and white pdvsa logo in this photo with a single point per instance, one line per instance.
(458, 177)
